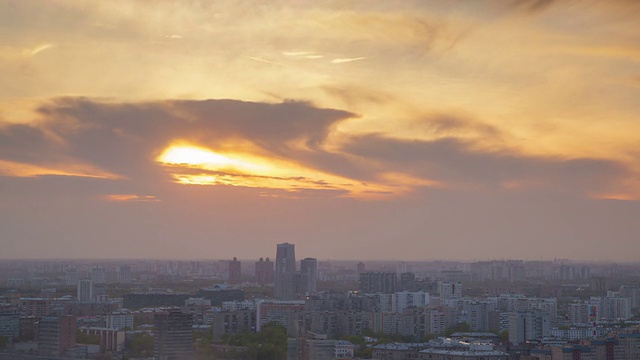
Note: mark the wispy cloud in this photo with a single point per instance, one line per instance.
(346, 60)
(37, 49)
(262, 60)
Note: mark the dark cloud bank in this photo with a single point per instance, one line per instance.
(545, 214)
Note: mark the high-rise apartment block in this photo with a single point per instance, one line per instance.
(235, 272)
(309, 268)
(407, 281)
(124, 274)
(56, 335)
(378, 282)
(264, 271)
(449, 292)
(85, 290)
(528, 326)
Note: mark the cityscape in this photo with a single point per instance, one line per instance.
(311, 309)
(320, 180)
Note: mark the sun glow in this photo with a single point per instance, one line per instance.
(195, 165)
(203, 158)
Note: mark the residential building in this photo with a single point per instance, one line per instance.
(235, 271)
(309, 268)
(85, 290)
(264, 271)
(378, 282)
(528, 326)
(56, 335)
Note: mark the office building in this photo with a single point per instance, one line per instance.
(285, 270)
(219, 294)
(173, 335)
(235, 271)
(137, 300)
(119, 321)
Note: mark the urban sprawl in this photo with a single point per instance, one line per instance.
(279, 308)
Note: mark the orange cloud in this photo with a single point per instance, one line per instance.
(131, 198)
(17, 169)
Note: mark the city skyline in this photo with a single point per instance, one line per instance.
(418, 130)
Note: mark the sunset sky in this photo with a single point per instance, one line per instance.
(408, 130)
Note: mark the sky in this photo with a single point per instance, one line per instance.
(408, 130)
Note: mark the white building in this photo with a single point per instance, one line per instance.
(528, 326)
(450, 292)
(405, 299)
(85, 290)
(119, 321)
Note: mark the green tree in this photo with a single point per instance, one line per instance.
(82, 338)
(504, 336)
(268, 344)
(4, 341)
(141, 345)
(460, 327)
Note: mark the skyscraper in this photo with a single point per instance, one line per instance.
(235, 271)
(285, 272)
(309, 268)
(286, 259)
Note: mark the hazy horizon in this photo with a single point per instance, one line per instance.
(361, 130)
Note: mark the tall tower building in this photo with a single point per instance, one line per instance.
(309, 268)
(85, 290)
(286, 259)
(173, 335)
(285, 272)
(235, 271)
